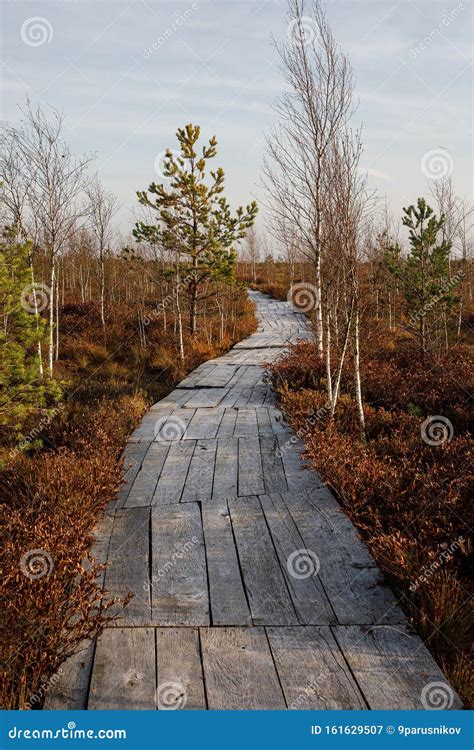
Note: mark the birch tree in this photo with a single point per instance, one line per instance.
(313, 110)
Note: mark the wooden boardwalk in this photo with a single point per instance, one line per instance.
(252, 589)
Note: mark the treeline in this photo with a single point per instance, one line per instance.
(74, 293)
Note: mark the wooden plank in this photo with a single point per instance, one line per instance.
(226, 468)
(243, 397)
(146, 431)
(312, 670)
(298, 477)
(273, 471)
(204, 424)
(267, 593)
(264, 422)
(220, 375)
(143, 488)
(350, 576)
(179, 575)
(246, 423)
(127, 563)
(239, 670)
(394, 668)
(226, 427)
(69, 688)
(132, 460)
(257, 396)
(206, 398)
(123, 677)
(172, 427)
(251, 480)
(299, 568)
(179, 670)
(228, 601)
(198, 486)
(174, 472)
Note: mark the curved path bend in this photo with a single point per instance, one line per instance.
(252, 589)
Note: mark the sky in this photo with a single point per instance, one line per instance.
(126, 74)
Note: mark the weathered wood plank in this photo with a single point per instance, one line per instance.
(206, 398)
(179, 670)
(394, 668)
(143, 488)
(350, 576)
(273, 471)
(204, 424)
(299, 568)
(69, 688)
(174, 472)
(123, 677)
(297, 476)
(179, 577)
(246, 423)
(267, 593)
(132, 460)
(251, 480)
(227, 425)
(312, 670)
(226, 468)
(228, 601)
(239, 670)
(127, 563)
(198, 485)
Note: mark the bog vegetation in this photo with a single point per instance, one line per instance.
(95, 327)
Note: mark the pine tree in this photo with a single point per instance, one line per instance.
(194, 219)
(424, 273)
(22, 390)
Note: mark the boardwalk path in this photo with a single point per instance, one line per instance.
(220, 533)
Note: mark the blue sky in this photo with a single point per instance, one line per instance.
(214, 65)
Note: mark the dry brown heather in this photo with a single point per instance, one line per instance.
(53, 496)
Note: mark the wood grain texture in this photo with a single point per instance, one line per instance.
(269, 600)
(127, 563)
(312, 670)
(179, 591)
(123, 677)
(394, 669)
(179, 670)
(239, 670)
(228, 600)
